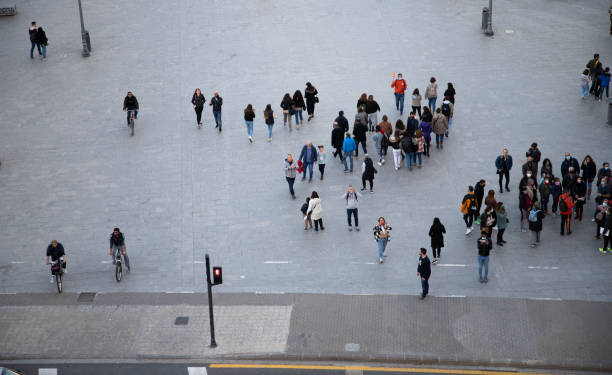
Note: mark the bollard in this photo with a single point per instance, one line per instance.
(485, 17)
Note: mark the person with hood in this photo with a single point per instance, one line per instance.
(439, 127)
(216, 103)
(503, 164)
(382, 236)
(436, 232)
(315, 211)
(371, 109)
(290, 168)
(348, 147)
(569, 162)
(484, 248)
(589, 172)
(41, 39)
(431, 93)
(448, 109)
(585, 81)
(198, 100)
(565, 206)
(352, 207)
(287, 105)
(34, 40)
(342, 121)
(367, 173)
(311, 98)
(360, 130)
(416, 102)
(412, 124)
(298, 106)
(535, 223)
(579, 192)
(502, 222)
(399, 85)
(308, 156)
(378, 138)
(426, 128)
(337, 138)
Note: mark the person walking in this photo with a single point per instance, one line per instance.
(372, 108)
(34, 39)
(484, 248)
(249, 116)
(216, 102)
(416, 102)
(431, 93)
(378, 138)
(361, 116)
(360, 130)
(420, 138)
(579, 192)
(362, 101)
(400, 87)
(304, 210)
(316, 211)
(469, 209)
(198, 100)
(436, 232)
(298, 107)
(450, 93)
(426, 128)
(394, 142)
(308, 156)
(387, 129)
(382, 237)
(424, 272)
(535, 223)
(409, 147)
(565, 206)
(290, 168)
(269, 117)
(525, 204)
(502, 222)
(311, 98)
(412, 124)
(342, 121)
(448, 109)
(41, 39)
(348, 148)
(589, 172)
(479, 193)
(604, 80)
(321, 160)
(287, 106)
(337, 138)
(440, 127)
(503, 164)
(351, 196)
(607, 247)
(585, 81)
(367, 173)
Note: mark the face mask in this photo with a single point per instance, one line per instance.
(568, 157)
(605, 205)
(606, 168)
(546, 181)
(528, 174)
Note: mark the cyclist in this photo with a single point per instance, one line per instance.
(130, 103)
(55, 251)
(117, 242)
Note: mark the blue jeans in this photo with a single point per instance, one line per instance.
(34, 44)
(270, 131)
(439, 139)
(379, 152)
(354, 212)
(298, 116)
(419, 155)
(217, 115)
(308, 165)
(399, 102)
(410, 159)
(483, 262)
(425, 287)
(349, 155)
(607, 88)
(249, 125)
(44, 55)
(432, 104)
(583, 88)
(128, 114)
(382, 245)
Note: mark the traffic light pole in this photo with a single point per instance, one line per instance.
(209, 284)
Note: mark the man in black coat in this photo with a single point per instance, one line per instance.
(359, 134)
(412, 124)
(337, 138)
(342, 121)
(479, 193)
(424, 271)
(569, 162)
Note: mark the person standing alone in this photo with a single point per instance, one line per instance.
(436, 232)
(424, 272)
(484, 247)
(400, 87)
(503, 163)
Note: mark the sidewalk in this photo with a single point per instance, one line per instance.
(463, 331)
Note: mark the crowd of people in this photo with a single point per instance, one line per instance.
(597, 78)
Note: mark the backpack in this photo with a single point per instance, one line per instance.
(468, 205)
(446, 109)
(533, 216)
(563, 205)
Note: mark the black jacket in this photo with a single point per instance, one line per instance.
(601, 173)
(216, 102)
(359, 132)
(479, 193)
(286, 104)
(55, 252)
(536, 226)
(571, 163)
(369, 172)
(337, 137)
(589, 171)
(118, 241)
(436, 232)
(41, 37)
(249, 115)
(298, 101)
(372, 107)
(343, 122)
(484, 247)
(33, 35)
(130, 103)
(407, 145)
(424, 267)
(412, 124)
(310, 94)
(198, 101)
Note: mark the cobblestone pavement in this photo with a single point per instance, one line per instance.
(70, 171)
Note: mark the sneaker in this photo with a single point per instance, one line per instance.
(357, 229)
(422, 297)
(52, 279)
(346, 171)
(350, 228)
(379, 164)
(269, 139)
(435, 261)
(385, 254)
(499, 244)
(380, 260)
(467, 231)
(533, 245)
(371, 191)
(523, 230)
(477, 222)
(383, 161)
(504, 241)
(486, 280)
(293, 196)
(481, 280)
(602, 250)
(593, 219)
(310, 180)
(250, 139)
(316, 229)
(508, 190)
(569, 232)
(322, 228)
(305, 228)
(363, 189)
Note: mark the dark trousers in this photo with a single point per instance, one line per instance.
(319, 222)
(128, 114)
(198, 111)
(338, 152)
(322, 169)
(579, 210)
(310, 104)
(555, 203)
(500, 235)
(363, 144)
(566, 222)
(606, 242)
(370, 180)
(425, 286)
(437, 252)
(427, 145)
(417, 109)
(290, 181)
(34, 44)
(469, 219)
(503, 173)
(355, 213)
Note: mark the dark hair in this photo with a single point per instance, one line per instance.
(588, 156)
(411, 113)
(377, 128)
(498, 206)
(607, 69)
(286, 97)
(416, 91)
(586, 72)
(423, 251)
(363, 97)
(438, 110)
(116, 230)
(470, 188)
(248, 109)
(307, 199)
(297, 95)
(450, 85)
(314, 194)
(196, 91)
(436, 221)
(371, 98)
(341, 113)
(308, 84)
(418, 133)
(385, 118)
(33, 23)
(268, 111)
(481, 181)
(432, 79)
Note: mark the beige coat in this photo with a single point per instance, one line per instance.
(431, 91)
(314, 209)
(439, 124)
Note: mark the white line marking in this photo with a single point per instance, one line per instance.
(199, 261)
(542, 268)
(450, 265)
(259, 292)
(358, 294)
(546, 299)
(47, 371)
(363, 263)
(17, 262)
(186, 291)
(453, 296)
(197, 370)
(107, 261)
(8, 293)
(277, 262)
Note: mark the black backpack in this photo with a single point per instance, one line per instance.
(563, 205)
(446, 109)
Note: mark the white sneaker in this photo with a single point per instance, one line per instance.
(380, 260)
(467, 231)
(52, 279)
(357, 229)
(380, 164)
(269, 139)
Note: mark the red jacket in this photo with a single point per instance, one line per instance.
(569, 203)
(400, 86)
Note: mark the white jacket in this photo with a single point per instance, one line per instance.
(314, 209)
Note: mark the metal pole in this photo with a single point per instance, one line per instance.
(83, 32)
(213, 343)
(489, 31)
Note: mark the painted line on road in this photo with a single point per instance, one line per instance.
(542, 268)
(17, 262)
(546, 299)
(197, 370)
(260, 292)
(47, 371)
(363, 262)
(371, 368)
(358, 294)
(198, 261)
(11, 293)
(453, 296)
(277, 262)
(450, 265)
(107, 261)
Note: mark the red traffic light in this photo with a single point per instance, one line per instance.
(217, 275)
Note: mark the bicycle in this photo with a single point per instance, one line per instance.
(57, 271)
(132, 120)
(118, 265)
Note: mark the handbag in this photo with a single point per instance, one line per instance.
(316, 99)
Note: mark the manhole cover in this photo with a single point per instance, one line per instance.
(86, 297)
(181, 321)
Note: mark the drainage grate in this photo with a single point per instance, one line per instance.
(86, 297)
(181, 321)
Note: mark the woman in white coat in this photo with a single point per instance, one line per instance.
(315, 210)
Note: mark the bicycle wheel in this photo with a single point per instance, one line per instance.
(58, 281)
(118, 271)
(132, 126)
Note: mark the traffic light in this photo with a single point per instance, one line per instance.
(217, 275)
